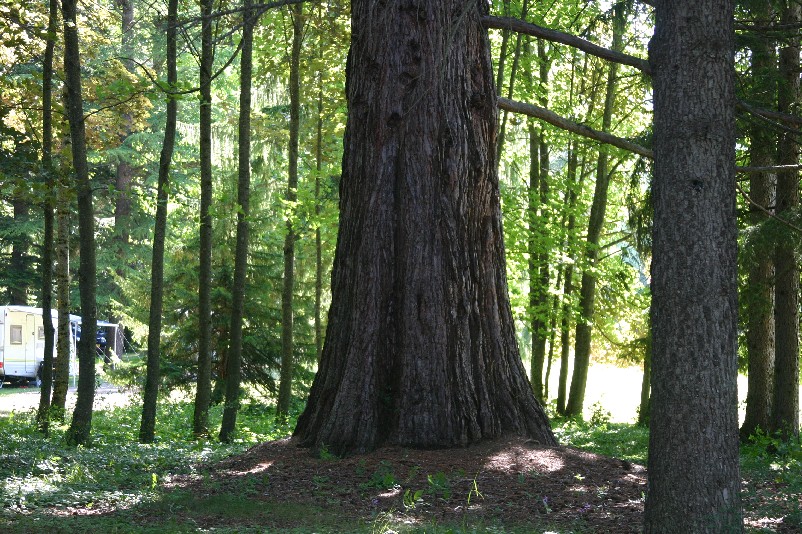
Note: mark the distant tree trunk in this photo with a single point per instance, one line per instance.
(539, 270)
(587, 291)
(318, 236)
(420, 349)
(18, 265)
(786, 375)
(125, 172)
(694, 480)
(552, 332)
(43, 414)
(516, 58)
(287, 359)
(204, 383)
(241, 253)
(147, 426)
(63, 350)
(81, 424)
(645, 387)
(760, 292)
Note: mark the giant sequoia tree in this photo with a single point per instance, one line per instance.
(421, 349)
(694, 483)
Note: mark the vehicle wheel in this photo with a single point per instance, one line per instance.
(38, 380)
(2, 381)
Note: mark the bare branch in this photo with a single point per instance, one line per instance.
(520, 26)
(785, 222)
(565, 124)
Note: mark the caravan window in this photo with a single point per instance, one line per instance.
(40, 332)
(16, 334)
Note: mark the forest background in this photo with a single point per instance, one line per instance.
(577, 214)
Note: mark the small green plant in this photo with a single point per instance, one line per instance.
(599, 416)
(439, 485)
(474, 491)
(324, 453)
(382, 478)
(411, 499)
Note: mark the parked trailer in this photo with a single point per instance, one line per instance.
(22, 343)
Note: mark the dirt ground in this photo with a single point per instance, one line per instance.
(511, 481)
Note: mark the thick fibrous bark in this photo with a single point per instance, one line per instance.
(694, 483)
(421, 349)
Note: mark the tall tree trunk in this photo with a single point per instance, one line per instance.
(539, 270)
(81, 424)
(43, 414)
(241, 253)
(125, 172)
(644, 408)
(516, 58)
(587, 291)
(760, 292)
(786, 375)
(694, 480)
(63, 349)
(420, 349)
(204, 383)
(287, 359)
(147, 426)
(318, 211)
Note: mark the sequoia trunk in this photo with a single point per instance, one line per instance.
(421, 349)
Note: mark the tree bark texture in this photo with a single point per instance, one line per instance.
(287, 350)
(62, 366)
(786, 375)
(147, 426)
(760, 269)
(234, 363)
(125, 171)
(43, 414)
(420, 348)
(598, 209)
(694, 482)
(204, 385)
(81, 424)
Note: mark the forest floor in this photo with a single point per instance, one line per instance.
(510, 484)
(263, 482)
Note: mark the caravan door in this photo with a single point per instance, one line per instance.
(30, 344)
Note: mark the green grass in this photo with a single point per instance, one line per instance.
(43, 480)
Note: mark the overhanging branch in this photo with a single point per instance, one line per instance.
(571, 126)
(520, 26)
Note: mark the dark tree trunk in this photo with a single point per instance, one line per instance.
(204, 383)
(234, 363)
(62, 365)
(18, 264)
(318, 209)
(43, 414)
(125, 171)
(646, 388)
(420, 349)
(147, 427)
(760, 288)
(694, 482)
(786, 374)
(287, 359)
(81, 425)
(587, 291)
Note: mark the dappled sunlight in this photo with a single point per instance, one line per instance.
(515, 459)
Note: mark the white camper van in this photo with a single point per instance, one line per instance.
(22, 343)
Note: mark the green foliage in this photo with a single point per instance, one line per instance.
(624, 441)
